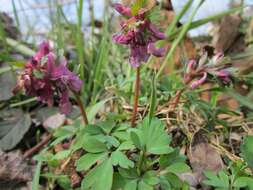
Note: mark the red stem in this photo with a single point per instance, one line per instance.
(179, 94)
(82, 109)
(136, 96)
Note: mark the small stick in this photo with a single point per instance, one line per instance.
(37, 147)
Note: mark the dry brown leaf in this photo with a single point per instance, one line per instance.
(226, 32)
(203, 156)
(15, 173)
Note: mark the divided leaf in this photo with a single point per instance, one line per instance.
(118, 158)
(99, 178)
(89, 159)
(152, 137)
(93, 145)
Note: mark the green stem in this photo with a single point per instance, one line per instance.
(136, 96)
(140, 162)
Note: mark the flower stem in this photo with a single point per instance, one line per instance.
(179, 94)
(136, 96)
(82, 109)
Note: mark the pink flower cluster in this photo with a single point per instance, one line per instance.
(46, 75)
(139, 34)
(197, 72)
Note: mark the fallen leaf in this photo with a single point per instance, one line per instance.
(226, 32)
(14, 123)
(203, 156)
(7, 83)
(15, 172)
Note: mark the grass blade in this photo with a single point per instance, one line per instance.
(176, 42)
(36, 178)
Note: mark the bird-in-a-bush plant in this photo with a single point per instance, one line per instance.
(117, 156)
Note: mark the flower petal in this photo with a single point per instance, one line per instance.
(218, 58)
(197, 83)
(138, 55)
(158, 52)
(75, 83)
(65, 105)
(191, 65)
(121, 38)
(123, 10)
(156, 32)
(224, 75)
(44, 49)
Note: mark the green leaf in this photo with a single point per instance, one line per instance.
(13, 126)
(224, 177)
(156, 139)
(118, 158)
(151, 178)
(241, 182)
(131, 185)
(247, 150)
(143, 186)
(118, 181)
(151, 137)
(178, 168)
(94, 109)
(62, 155)
(99, 178)
(93, 145)
(137, 138)
(172, 181)
(214, 180)
(67, 130)
(112, 141)
(107, 126)
(154, 14)
(93, 129)
(129, 173)
(126, 145)
(89, 159)
(137, 5)
(64, 182)
(169, 159)
(122, 135)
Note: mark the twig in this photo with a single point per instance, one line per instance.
(37, 147)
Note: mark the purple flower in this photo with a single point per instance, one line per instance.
(197, 72)
(125, 11)
(44, 76)
(139, 34)
(224, 75)
(200, 81)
